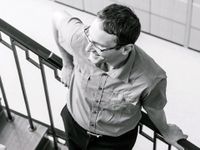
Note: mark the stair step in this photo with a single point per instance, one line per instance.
(50, 146)
(15, 135)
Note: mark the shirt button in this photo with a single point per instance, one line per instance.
(94, 111)
(92, 124)
(100, 88)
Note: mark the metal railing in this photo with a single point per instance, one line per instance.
(46, 57)
(51, 60)
(9, 116)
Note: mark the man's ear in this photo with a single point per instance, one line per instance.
(127, 48)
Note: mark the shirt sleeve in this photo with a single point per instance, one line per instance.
(66, 30)
(156, 98)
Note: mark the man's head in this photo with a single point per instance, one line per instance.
(112, 34)
(122, 22)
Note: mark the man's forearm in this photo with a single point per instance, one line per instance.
(158, 117)
(170, 132)
(66, 57)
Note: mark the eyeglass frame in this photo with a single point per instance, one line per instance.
(86, 30)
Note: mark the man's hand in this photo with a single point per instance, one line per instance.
(173, 134)
(66, 75)
(170, 132)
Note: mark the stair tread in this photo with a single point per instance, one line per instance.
(50, 146)
(15, 135)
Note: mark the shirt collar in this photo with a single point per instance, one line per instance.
(123, 73)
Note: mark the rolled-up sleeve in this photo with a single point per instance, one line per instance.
(66, 30)
(156, 98)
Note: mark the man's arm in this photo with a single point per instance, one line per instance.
(154, 104)
(170, 132)
(66, 56)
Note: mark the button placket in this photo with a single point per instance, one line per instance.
(92, 124)
(96, 103)
(95, 112)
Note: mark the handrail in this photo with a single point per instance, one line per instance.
(30, 44)
(56, 61)
(44, 55)
(183, 142)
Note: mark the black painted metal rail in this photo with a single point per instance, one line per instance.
(50, 59)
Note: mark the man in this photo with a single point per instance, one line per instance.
(110, 79)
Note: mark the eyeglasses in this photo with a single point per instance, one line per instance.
(96, 46)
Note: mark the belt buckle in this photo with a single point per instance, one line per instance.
(94, 134)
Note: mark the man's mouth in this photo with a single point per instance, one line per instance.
(95, 53)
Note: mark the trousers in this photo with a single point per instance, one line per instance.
(77, 138)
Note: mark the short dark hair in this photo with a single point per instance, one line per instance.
(121, 21)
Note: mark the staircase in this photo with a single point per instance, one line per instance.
(15, 135)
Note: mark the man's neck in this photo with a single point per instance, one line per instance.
(118, 63)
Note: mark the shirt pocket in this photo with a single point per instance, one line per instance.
(120, 101)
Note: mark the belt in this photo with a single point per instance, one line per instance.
(65, 112)
(94, 134)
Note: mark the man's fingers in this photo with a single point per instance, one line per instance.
(178, 146)
(185, 136)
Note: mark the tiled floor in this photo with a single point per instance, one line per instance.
(33, 17)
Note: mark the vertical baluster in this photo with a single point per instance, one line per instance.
(10, 118)
(48, 103)
(154, 141)
(169, 147)
(32, 127)
(0, 37)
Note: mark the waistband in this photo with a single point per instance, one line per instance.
(92, 134)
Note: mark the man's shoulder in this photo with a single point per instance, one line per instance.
(145, 69)
(70, 24)
(67, 30)
(147, 63)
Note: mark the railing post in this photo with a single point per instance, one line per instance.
(169, 147)
(10, 118)
(32, 127)
(154, 141)
(48, 103)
